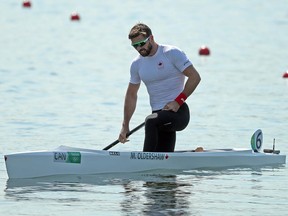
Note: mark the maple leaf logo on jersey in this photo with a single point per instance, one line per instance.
(160, 65)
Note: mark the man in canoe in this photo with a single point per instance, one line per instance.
(163, 69)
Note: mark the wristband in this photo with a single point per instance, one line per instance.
(181, 98)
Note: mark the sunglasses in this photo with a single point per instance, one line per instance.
(140, 43)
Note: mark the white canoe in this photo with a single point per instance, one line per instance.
(68, 160)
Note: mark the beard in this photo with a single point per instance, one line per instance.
(146, 52)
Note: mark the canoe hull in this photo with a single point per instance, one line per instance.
(67, 160)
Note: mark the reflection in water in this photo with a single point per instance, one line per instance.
(159, 195)
(42, 188)
(131, 194)
(151, 194)
(167, 197)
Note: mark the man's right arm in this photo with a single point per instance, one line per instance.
(129, 108)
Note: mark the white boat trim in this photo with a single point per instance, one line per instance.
(66, 160)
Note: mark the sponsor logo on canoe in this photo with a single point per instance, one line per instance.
(67, 157)
(148, 156)
(113, 153)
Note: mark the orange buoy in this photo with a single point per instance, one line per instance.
(204, 50)
(75, 16)
(26, 4)
(285, 75)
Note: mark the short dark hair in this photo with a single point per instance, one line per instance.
(139, 29)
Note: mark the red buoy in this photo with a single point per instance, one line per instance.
(204, 50)
(285, 75)
(75, 16)
(26, 4)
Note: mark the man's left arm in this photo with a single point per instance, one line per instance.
(189, 87)
(192, 81)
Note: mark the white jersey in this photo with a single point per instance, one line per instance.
(161, 73)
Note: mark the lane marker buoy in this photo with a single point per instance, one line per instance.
(26, 4)
(204, 50)
(75, 16)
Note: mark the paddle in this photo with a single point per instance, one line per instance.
(128, 134)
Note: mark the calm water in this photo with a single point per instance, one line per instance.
(63, 83)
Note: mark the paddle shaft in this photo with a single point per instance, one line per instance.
(128, 134)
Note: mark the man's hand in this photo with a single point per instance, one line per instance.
(122, 136)
(172, 106)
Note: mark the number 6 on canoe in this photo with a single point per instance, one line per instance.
(128, 134)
